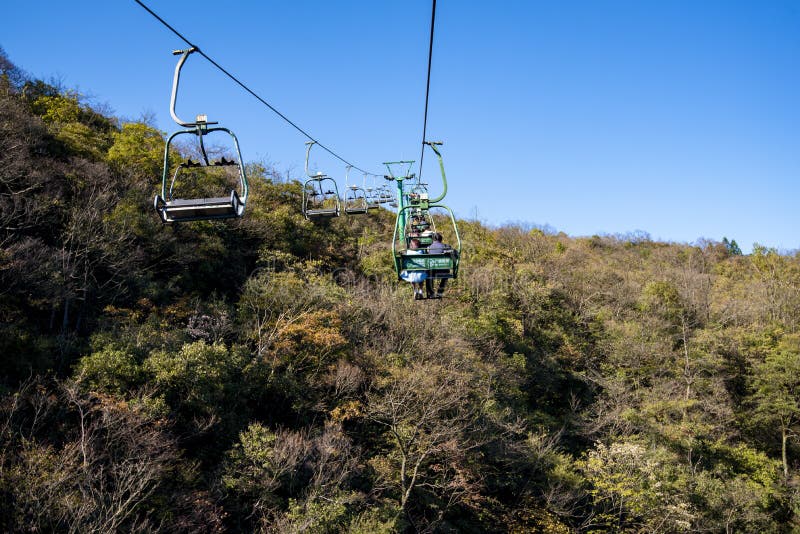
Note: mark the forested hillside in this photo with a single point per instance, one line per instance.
(271, 374)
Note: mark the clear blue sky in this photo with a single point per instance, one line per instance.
(680, 118)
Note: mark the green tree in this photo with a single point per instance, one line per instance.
(732, 247)
(636, 488)
(261, 462)
(199, 382)
(776, 385)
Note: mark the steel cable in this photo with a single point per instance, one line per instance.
(427, 93)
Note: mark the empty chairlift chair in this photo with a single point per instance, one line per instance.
(320, 194)
(372, 199)
(355, 202)
(320, 198)
(385, 195)
(197, 205)
(355, 197)
(371, 194)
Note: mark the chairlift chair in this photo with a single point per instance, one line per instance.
(320, 194)
(420, 226)
(442, 265)
(439, 265)
(371, 193)
(355, 202)
(385, 195)
(355, 197)
(420, 188)
(171, 208)
(372, 198)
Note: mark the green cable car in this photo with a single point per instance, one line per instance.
(188, 175)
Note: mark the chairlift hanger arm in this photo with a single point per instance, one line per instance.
(347, 176)
(201, 119)
(234, 79)
(434, 145)
(309, 144)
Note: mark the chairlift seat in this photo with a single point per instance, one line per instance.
(195, 209)
(359, 210)
(322, 213)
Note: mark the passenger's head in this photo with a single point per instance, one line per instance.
(437, 237)
(414, 243)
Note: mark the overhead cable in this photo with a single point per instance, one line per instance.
(427, 92)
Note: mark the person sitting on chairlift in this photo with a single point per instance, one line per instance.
(415, 277)
(436, 247)
(413, 228)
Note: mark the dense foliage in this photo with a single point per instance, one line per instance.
(270, 374)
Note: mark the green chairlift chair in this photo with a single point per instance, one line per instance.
(416, 203)
(438, 265)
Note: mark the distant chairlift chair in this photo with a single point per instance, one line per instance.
(355, 198)
(320, 194)
(371, 194)
(355, 202)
